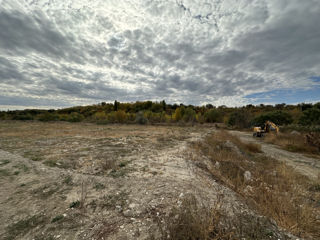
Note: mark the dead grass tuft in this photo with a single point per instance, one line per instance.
(192, 220)
(292, 142)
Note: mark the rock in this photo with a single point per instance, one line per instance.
(232, 146)
(217, 165)
(247, 176)
(132, 205)
(294, 132)
(128, 213)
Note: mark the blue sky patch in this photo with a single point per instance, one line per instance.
(288, 96)
(315, 79)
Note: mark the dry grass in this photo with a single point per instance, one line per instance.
(291, 142)
(196, 220)
(274, 188)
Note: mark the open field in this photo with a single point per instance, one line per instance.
(86, 181)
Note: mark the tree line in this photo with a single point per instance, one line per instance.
(148, 112)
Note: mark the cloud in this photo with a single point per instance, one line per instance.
(195, 52)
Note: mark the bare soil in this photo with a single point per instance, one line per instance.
(85, 181)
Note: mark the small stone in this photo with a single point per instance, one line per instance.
(128, 213)
(217, 165)
(247, 175)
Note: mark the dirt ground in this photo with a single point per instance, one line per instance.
(86, 181)
(307, 166)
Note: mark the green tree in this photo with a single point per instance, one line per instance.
(115, 106)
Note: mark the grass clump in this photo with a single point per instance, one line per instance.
(4, 173)
(75, 204)
(68, 180)
(4, 162)
(57, 218)
(196, 220)
(191, 221)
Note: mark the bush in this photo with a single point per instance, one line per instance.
(46, 117)
(213, 116)
(140, 119)
(278, 117)
(98, 116)
(189, 115)
(177, 116)
(75, 117)
(120, 116)
(240, 119)
(27, 116)
(310, 116)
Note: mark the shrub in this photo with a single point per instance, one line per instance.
(140, 119)
(278, 117)
(200, 118)
(120, 116)
(177, 116)
(46, 117)
(27, 116)
(189, 115)
(100, 116)
(310, 116)
(240, 119)
(213, 116)
(75, 117)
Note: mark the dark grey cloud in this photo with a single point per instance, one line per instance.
(31, 33)
(182, 51)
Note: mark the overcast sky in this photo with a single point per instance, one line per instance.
(56, 53)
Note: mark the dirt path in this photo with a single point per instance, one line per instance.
(307, 166)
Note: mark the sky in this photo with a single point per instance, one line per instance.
(61, 53)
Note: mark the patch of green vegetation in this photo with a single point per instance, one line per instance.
(57, 218)
(315, 188)
(51, 163)
(22, 185)
(23, 226)
(118, 173)
(4, 173)
(22, 166)
(123, 164)
(75, 204)
(34, 156)
(99, 186)
(4, 162)
(16, 173)
(68, 180)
